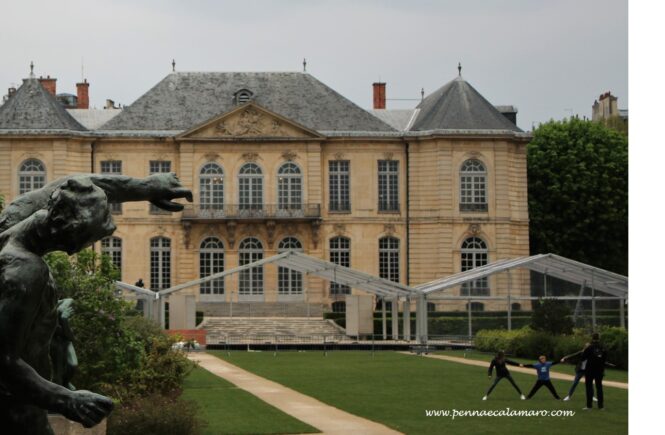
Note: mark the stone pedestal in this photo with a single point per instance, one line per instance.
(62, 426)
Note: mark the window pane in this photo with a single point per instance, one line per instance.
(339, 185)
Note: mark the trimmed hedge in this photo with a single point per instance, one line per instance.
(527, 343)
(460, 325)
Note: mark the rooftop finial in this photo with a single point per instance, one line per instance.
(422, 94)
(173, 64)
(32, 69)
(304, 65)
(459, 68)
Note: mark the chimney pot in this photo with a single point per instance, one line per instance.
(49, 84)
(379, 95)
(82, 98)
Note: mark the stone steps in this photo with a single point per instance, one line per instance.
(221, 329)
(260, 309)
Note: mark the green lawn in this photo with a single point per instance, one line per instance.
(230, 410)
(566, 368)
(396, 389)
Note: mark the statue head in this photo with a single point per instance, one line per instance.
(78, 215)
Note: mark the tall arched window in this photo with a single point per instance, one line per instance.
(211, 261)
(289, 187)
(211, 186)
(389, 258)
(112, 246)
(289, 281)
(473, 186)
(250, 183)
(160, 263)
(474, 254)
(251, 280)
(340, 253)
(31, 176)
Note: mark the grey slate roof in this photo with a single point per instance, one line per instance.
(183, 100)
(34, 108)
(457, 105)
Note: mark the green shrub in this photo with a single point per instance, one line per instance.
(527, 343)
(615, 341)
(155, 414)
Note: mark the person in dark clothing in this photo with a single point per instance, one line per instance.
(596, 358)
(543, 369)
(580, 368)
(499, 362)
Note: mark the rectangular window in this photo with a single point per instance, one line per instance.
(159, 167)
(340, 253)
(340, 200)
(113, 167)
(388, 185)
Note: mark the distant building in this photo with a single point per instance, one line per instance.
(606, 108)
(280, 161)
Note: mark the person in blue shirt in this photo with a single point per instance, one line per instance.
(543, 369)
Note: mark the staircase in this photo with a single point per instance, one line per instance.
(268, 329)
(260, 309)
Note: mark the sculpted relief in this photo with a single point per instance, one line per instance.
(249, 121)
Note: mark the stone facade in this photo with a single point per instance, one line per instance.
(428, 221)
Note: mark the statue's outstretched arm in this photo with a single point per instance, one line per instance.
(160, 189)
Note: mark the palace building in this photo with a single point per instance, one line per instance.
(279, 161)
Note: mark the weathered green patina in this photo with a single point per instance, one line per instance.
(68, 215)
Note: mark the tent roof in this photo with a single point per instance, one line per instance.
(550, 264)
(315, 266)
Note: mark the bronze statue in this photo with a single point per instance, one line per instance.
(68, 215)
(63, 355)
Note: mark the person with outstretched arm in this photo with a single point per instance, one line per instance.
(499, 362)
(580, 368)
(543, 368)
(596, 358)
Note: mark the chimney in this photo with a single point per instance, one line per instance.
(82, 95)
(10, 92)
(110, 104)
(379, 95)
(48, 83)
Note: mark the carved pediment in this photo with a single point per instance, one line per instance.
(248, 121)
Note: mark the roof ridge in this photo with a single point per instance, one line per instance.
(182, 100)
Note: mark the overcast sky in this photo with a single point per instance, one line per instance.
(551, 59)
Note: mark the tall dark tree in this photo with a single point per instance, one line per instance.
(552, 316)
(578, 193)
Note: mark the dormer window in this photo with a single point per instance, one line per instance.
(243, 96)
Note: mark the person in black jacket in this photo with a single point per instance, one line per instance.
(596, 358)
(499, 362)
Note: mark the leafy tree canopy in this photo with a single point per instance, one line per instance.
(120, 353)
(552, 316)
(578, 193)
